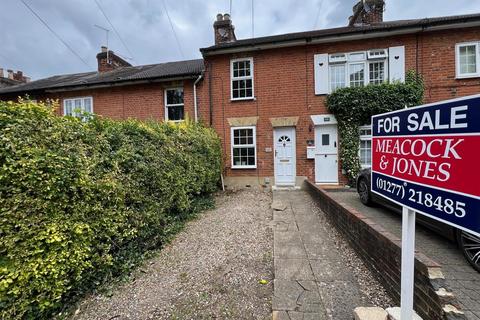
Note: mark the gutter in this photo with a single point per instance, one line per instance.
(195, 105)
(358, 35)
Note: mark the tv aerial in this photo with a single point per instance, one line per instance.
(106, 34)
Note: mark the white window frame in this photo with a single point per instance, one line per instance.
(365, 76)
(385, 69)
(254, 145)
(74, 114)
(173, 105)
(364, 138)
(330, 73)
(250, 77)
(457, 60)
(337, 58)
(372, 54)
(350, 58)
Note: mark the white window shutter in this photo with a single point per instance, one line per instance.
(321, 73)
(396, 63)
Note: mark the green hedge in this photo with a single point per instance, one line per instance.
(77, 199)
(354, 107)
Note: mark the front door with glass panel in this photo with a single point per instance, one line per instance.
(285, 162)
(326, 155)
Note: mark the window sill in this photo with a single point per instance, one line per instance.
(243, 167)
(467, 76)
(243, 99)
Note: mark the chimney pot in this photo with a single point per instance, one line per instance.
(1, 72)
(223, 29)
(104, 49)
(10, 74)
(18, 76)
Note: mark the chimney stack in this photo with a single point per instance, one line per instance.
(13, 77)
(367, 12)
(224, 29)
(108, 60)
(18, 76)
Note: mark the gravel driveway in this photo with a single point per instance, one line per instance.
(211, 270)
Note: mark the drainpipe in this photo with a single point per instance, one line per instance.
(195, 106)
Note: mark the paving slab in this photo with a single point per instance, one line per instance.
(293, 269)
(312, 278)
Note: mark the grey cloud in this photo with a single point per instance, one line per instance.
(27, 45)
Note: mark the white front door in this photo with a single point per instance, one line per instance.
(285, 161)
(326, 155)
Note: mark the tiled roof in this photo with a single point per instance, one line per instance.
(343, 31)
(168, 70)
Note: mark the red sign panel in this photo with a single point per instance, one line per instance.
(439, 161)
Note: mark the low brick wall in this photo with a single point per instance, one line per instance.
(381, 251)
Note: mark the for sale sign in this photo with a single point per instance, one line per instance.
(427, 158)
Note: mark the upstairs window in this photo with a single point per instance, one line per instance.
(174, 108)
(357, 74)
(376, 72)
(357, 69)
(241, 72)
(365, 151)
(377, 54)
(244, 151)
(467, 60)
(78, 107)
(337, 76)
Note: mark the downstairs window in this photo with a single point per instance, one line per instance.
(244, 153)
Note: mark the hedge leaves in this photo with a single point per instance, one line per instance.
(354, 106)
(77, 197)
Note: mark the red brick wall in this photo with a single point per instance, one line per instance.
(134, 101)
(284, 86)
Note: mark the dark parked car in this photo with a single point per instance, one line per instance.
(468, 243)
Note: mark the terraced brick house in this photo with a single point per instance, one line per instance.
(265, 96)
(118, 90)
(268, 94)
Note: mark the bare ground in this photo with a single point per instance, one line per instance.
(212, 270)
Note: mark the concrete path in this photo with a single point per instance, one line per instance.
(313, 280)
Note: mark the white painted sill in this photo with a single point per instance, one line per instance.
(243, 99)
(243, 167)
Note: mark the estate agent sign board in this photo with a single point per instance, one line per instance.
(427, 159)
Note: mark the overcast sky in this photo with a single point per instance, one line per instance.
(27, 45)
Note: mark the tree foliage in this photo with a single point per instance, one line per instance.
(354, 106)
(78, 198)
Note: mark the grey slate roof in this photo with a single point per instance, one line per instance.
(168, 70)
(348, 30)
